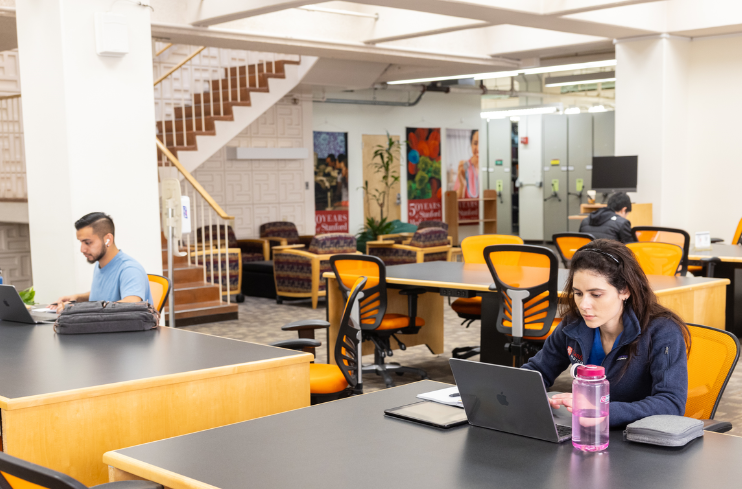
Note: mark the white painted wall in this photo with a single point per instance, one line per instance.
(687, 139)
(89, 138)
(453, 110)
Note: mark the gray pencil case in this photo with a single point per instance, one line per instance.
(664, 430)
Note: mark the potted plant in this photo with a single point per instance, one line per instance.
(383, 164)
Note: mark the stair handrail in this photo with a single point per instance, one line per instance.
(194, 183)
(178, 66)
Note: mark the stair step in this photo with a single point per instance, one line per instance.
(279, 68)
(200, 125)
(184, 274)
(244, 81)
(226, 95)
(187, 139)
(177, 260)
(202, 312)
(206, 109)
(195, 292)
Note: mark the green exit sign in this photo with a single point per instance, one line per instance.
(498, 162)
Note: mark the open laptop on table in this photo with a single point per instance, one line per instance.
(509, 399)
(12, 308)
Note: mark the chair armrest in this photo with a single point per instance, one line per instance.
(297, 344)
(380, 243)
(305, 325)
(717, 240)
(275, 239)
(432, 249)
(716, 426)
(384, 237)
(287, 247)
(129, 485)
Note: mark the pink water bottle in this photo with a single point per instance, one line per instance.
(590, 401)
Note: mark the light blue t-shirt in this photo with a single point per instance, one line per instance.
(121, 277)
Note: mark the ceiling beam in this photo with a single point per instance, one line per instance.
(442, 30)
(568, 7)
(211, 12)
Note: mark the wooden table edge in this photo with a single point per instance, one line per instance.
(151, 472)
(150, 382)
(426, 283)
(691, 287)
(728, 259)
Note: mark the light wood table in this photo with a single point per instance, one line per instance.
(697, 300)
(729, 268)
(640, 215)
(68, 399)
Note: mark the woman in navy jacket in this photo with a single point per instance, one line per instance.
(611, 317)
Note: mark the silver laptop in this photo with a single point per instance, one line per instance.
(12, 308)
(509, 399)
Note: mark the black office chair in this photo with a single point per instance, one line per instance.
(331, 382)
(525, 278)
(376, 325)
(51, 479)
(674, 236)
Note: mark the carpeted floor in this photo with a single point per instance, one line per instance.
(261, 320)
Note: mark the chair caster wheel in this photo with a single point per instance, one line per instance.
(399, 373)
(240, 298)
(279, 300)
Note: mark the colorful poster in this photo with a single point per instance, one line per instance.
(331, 182)
(462, 171)
(423, 175)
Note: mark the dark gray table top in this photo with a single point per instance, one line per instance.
(478, 277)
(350, 443)
(730, 252)
(34, 360)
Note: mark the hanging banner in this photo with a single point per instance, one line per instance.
(423, 175)
(330, 182)
(462, 171)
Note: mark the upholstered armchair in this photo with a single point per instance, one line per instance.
(283, 233)
(429, 244)
(405, 238)
(234, 253)
(298, 269)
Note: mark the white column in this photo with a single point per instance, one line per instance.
(652, 120)
(89, 137)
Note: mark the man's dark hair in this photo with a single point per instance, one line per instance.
(342, 158)
(101, 223)
(618, 201)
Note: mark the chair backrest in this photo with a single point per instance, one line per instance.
(472, 247)
(328, 244)
(657, 258)
(159, 287)
(13, 468)
(207, 237)
(674, 236)
(526, 279)
(713, 356)
(346, 345)
(429, 238)
(737, 238)
(567, 244)
(433, 224)
(280, 229)
(348, 269)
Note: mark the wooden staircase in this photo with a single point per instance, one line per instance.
(196, 301)
(179, 133)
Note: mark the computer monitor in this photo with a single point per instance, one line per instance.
(614, 173)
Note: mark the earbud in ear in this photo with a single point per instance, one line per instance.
(107, 241)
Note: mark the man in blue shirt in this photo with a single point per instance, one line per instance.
(117, 276)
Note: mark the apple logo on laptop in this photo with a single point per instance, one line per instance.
(6, 303)
(502, 399)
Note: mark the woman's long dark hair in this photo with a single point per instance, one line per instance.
(614, 261)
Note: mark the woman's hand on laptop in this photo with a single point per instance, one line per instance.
(59, 304)
(563, 399)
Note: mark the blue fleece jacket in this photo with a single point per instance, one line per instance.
(655, 381)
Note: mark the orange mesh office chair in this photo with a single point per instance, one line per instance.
(526, 279)
(713, 356)
(329, 382)
(16, 473)
(377, 326)
(159, 287)
(470, 308)
(567, 245)
(674, 236)
(657, 258)
(737, 238)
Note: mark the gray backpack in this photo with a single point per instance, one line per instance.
(106, 317)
